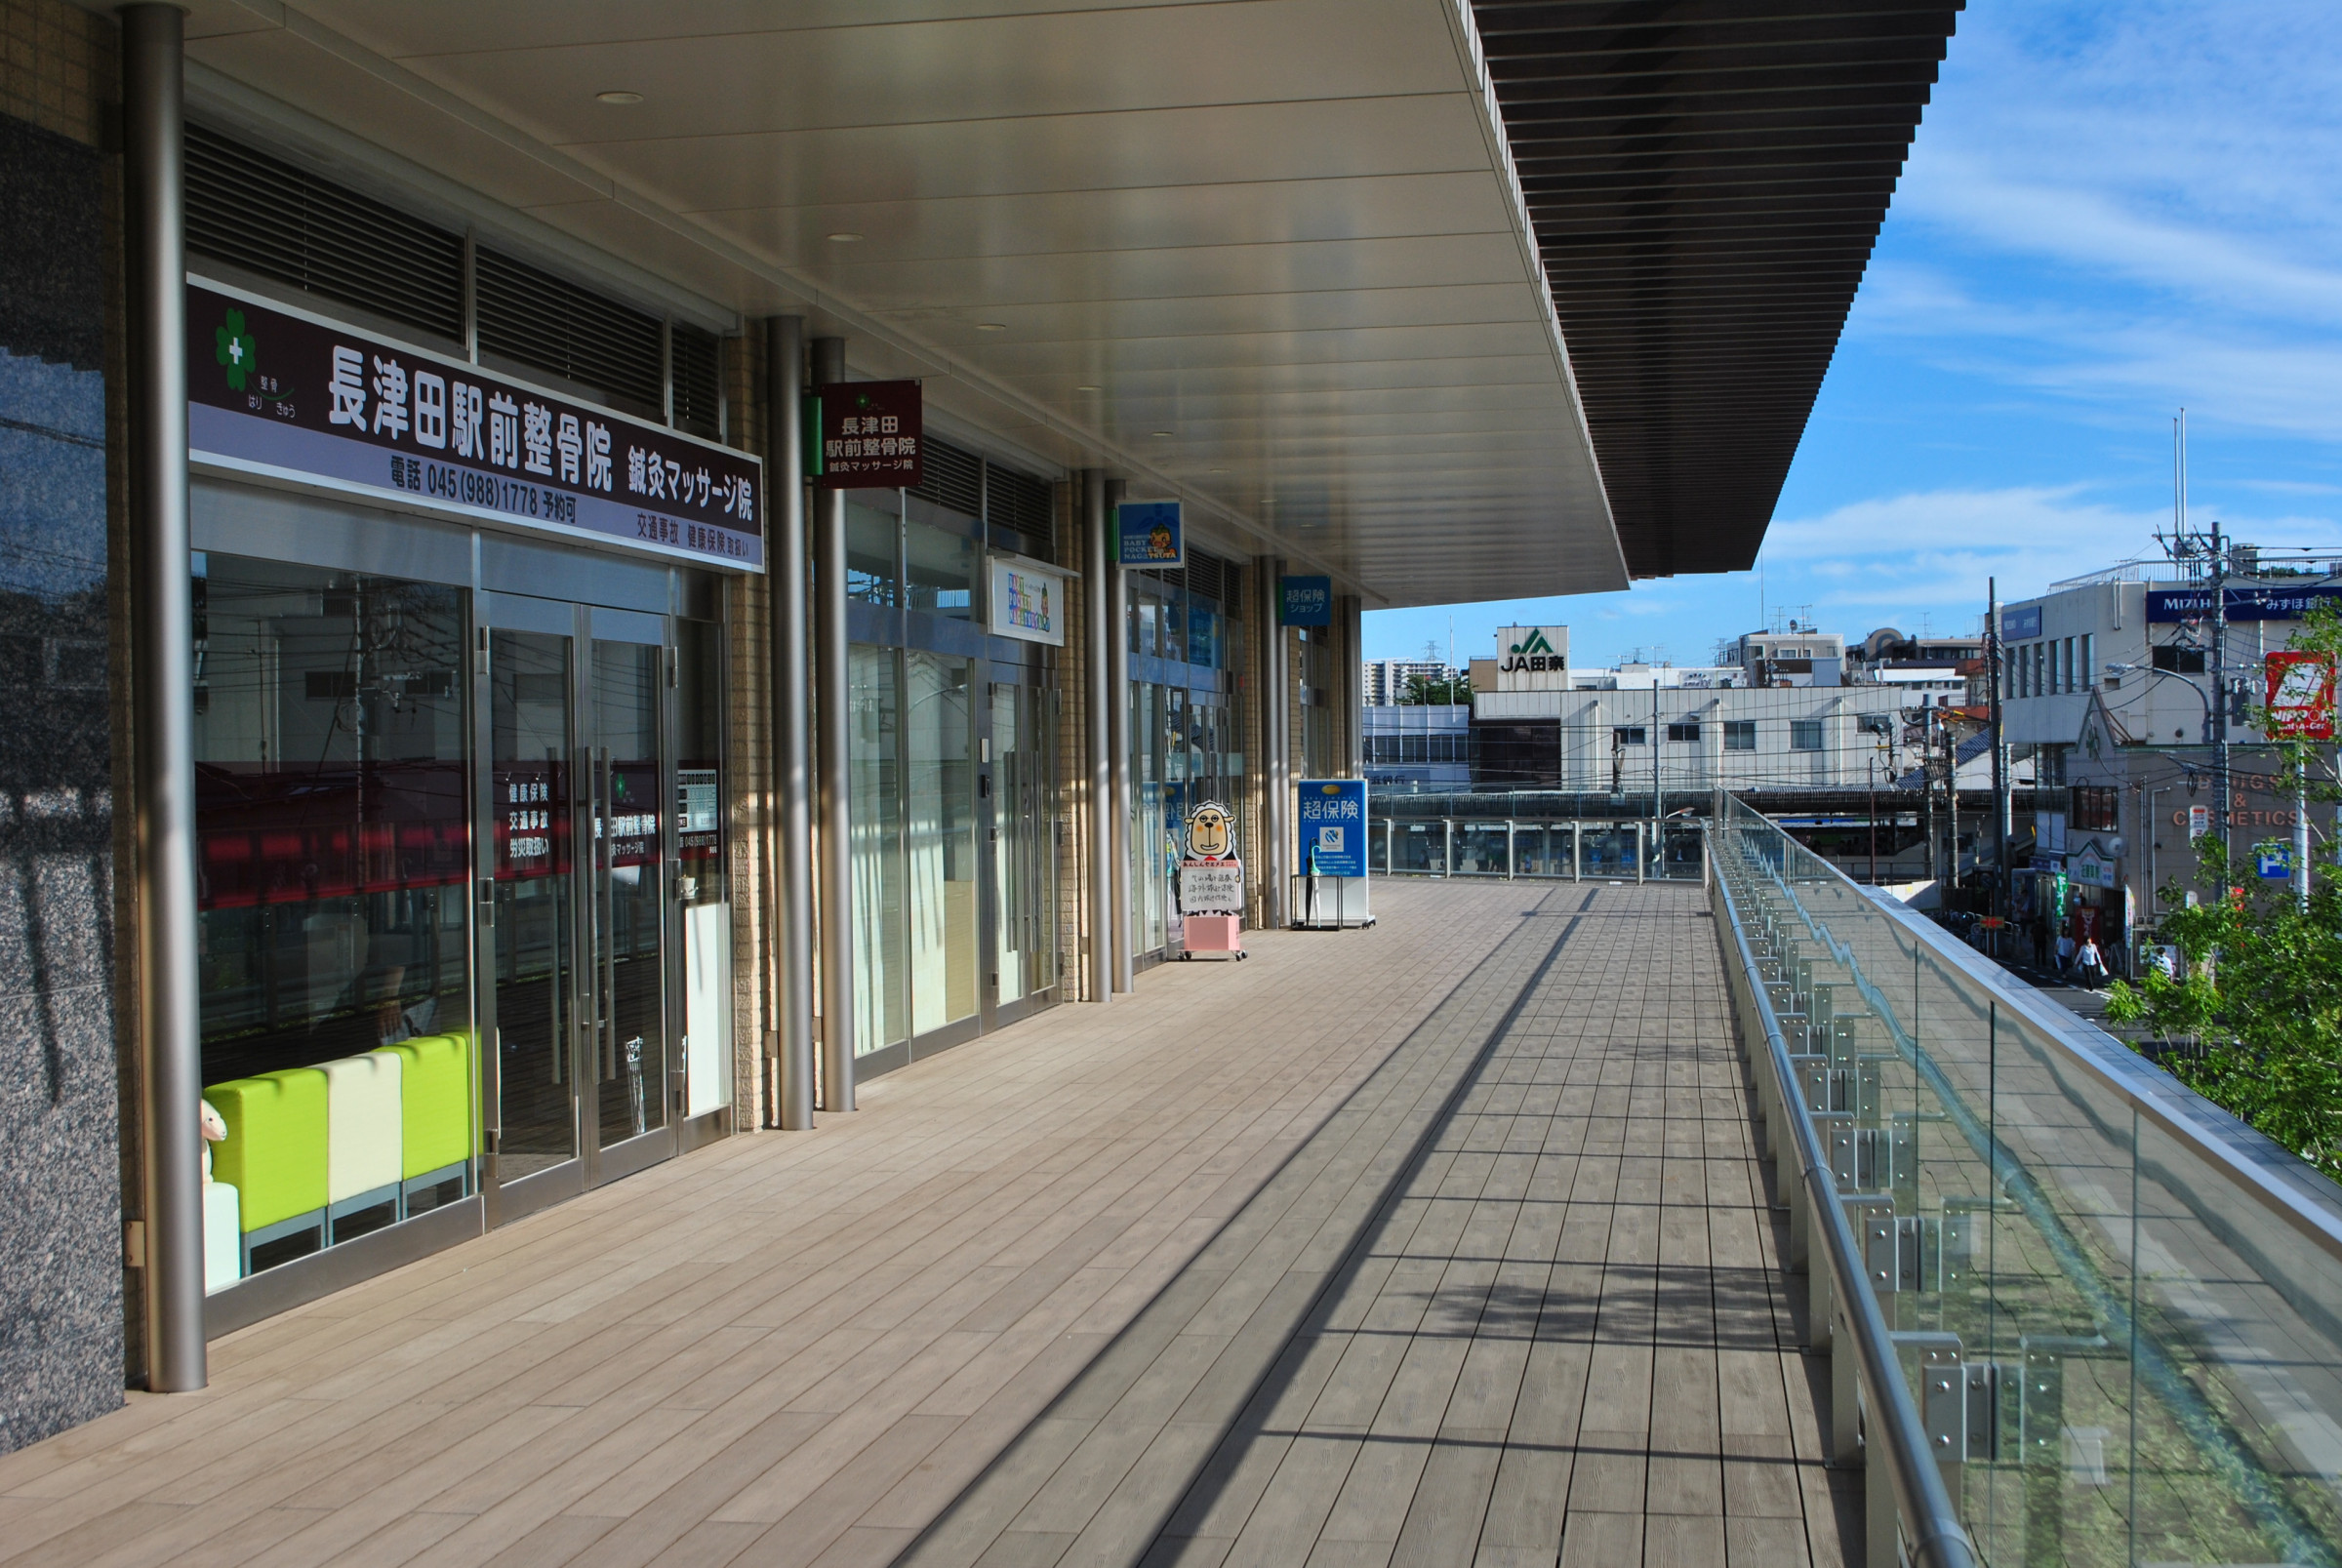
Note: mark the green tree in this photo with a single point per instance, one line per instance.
(2258, 1001)
(1424, 691)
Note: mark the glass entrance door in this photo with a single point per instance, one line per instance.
(1023, 829)
(625, 900)
(578, 775)
(531, 698)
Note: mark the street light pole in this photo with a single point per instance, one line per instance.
(1873, 817)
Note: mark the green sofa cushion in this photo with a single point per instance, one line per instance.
(436, 1086)
(275, 1152)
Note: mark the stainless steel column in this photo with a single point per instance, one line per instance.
(163, 689)
(792, 729)
(1118, 746)
(1097, 564)
(1353, 684)
(1276, 720)
(833, 707)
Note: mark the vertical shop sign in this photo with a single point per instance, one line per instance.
(1305, 601)
(1147, 533)
(872, 435)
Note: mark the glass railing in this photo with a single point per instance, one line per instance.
(2117, 1311)
(1571, 849)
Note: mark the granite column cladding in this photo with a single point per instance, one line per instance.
(62, 1349)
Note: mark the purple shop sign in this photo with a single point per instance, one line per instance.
(871, 435)
(283, 393)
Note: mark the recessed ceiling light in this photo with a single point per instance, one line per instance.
(1087, 388)
(617, 96)
(991, 325)
(1160, 435)
(843, 238)
(1219, 471)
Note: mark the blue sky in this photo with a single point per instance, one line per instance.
(2111, 210)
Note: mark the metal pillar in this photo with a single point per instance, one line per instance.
(1353, 684)
(1098, 564)
(1275, 719)
(833, 707)
(1117, 749)
(792, 899)
(162, 700)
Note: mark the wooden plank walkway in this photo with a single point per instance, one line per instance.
(863, 1343)
(1518, 1303)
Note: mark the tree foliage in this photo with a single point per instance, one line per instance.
(2256, 1008)
(1422, 691)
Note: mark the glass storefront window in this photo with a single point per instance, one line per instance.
(1024, 847)
(699, 844)
(872, 538)
(941, 571)
(875, 811)
(335, 867)
(940, 840)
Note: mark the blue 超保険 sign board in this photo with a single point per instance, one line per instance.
(1147, 533)
(1330, 820)
(1304, 601)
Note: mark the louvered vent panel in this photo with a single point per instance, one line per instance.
(697, 358)
(1022, 503)
(950, 477)
(267, 217)
(1207, 574)
(538, 319)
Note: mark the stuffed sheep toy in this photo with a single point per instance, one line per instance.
(215, 1129)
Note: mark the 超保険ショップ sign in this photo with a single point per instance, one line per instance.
(277, 391)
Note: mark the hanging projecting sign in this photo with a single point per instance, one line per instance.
(871, 435)
(2301, 696)
(1304, 601)
(282, 394)
(1028, 602)
(1147, 533)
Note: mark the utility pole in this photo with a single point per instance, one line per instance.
(2219, 702)
(2005, 889)
(1952, 796)
(1927, 788)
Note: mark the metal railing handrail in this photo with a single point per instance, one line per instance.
(1925, 1501)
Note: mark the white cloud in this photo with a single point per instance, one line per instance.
(1937, 549)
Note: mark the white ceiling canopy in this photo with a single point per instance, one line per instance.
(1269, 255)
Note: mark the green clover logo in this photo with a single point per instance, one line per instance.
(233, 347)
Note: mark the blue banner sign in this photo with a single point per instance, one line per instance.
(1331, 820)
(2019, 626)
(1307, 601)
(1147, 533)
(2166, 606)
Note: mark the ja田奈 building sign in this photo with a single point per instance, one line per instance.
(285, 394)
(1532, 658)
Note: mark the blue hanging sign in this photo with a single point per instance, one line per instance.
(1147, 533)
(1331, 818)
(1305, 601)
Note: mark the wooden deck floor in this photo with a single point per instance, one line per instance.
(1432, 1242)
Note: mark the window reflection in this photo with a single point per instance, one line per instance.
(334, 862)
